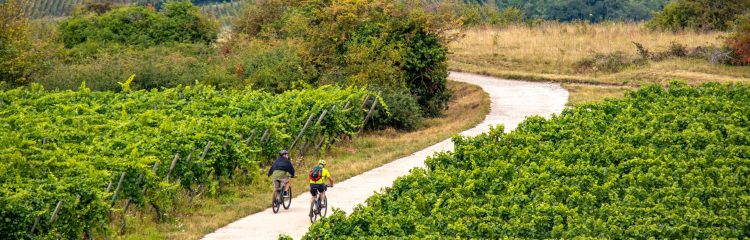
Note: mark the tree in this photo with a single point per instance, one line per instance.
(392, 44)
(17, 55)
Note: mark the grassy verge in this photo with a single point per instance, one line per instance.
(240, 197)
(549, 53)
(582, 93)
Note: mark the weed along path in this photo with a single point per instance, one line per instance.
(511, 102)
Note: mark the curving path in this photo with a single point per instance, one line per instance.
(511, 102)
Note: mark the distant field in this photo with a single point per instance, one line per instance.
(549, 52)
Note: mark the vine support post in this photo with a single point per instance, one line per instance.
(263, 137)
(54, 213)
(367, 98)
(117, 189)
(307, 123)
(369, 114)
(205, 150)
(36, 223)
(124, 214)
(171, 166)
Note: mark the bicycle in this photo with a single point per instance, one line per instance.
(280, 199)
(316, 210)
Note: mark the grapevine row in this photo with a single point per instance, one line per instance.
(663, 163)
(68, 157)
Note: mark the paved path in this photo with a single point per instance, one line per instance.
(512, 101)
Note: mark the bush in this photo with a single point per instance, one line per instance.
(391, 44)
(156, 67)
(739, 40)
(704, 15)
(136, 25)
(274, 66)
(608, 63)
(403, 111)
(18, 56)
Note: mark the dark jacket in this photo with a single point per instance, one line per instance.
(282, 163)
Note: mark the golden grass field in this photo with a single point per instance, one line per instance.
(549, 52)
(205, 214)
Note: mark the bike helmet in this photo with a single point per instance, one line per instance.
(322, 162)
(282, 152)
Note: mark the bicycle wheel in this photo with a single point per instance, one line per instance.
(276, 202)
(287, 200)
(324, 208)
(313, 215)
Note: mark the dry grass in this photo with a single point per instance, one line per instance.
(582, 93)
(241, 197)
(548, 53)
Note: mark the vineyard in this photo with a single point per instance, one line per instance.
(666, 163)
(73, 159)
(58, 8)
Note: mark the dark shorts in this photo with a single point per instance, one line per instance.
(315, 188)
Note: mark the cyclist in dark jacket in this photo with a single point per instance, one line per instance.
(281, 170)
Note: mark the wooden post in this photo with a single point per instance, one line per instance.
(252, 135)
(307, 123)
(36, 222)
(369, 113)
(124, 213)
(205, 150)
(365, 102)
(263, 138)
(320, 119)
(153, 169)
(320, 143)
(117, 189)
(174, 162)
(44, 141)
(54, 213)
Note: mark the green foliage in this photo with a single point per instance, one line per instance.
(275, 66)
(67, 146)
(163, 66)
(403, 111)
(660, 163)
(180, 21)
(18, 57)
(373, 43)
(704, 15)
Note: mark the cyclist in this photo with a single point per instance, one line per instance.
(318, 185)
(281, 170)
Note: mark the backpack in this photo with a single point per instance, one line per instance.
(316, 173)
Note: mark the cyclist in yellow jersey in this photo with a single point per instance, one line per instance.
(318, 185)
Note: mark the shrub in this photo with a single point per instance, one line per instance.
(381, 43)
(18, 56)
(608, 63)
(155, 67)
(275, 66)
(137, 25)
(739, 40)
(704, 15)
(403, 111)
